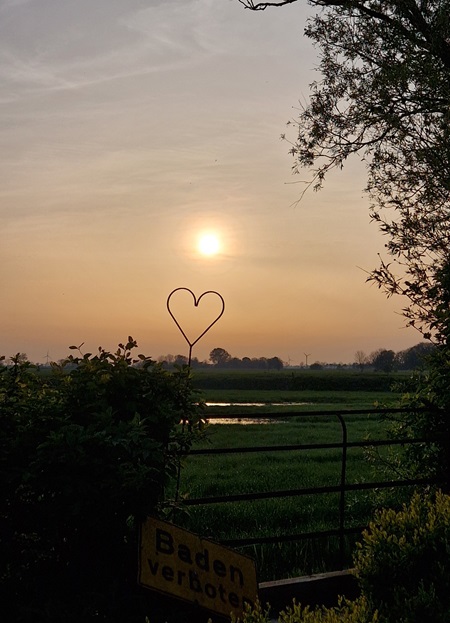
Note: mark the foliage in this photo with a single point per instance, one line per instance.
(426, 398)
(402, 563)
(383, 360)
(219, 356)
(356, 611)
(85, 453)
(347, 611)
(402, 566)
(414, 357)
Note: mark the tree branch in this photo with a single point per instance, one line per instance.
(261, 6)
(430, 40)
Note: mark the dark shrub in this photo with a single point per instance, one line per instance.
(85, 453)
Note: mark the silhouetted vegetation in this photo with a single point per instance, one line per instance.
(381, 360)
(85, 454)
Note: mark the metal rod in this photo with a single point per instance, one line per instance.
(191, 345)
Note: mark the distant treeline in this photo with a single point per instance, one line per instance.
(381, 360)
(220, 358)
(385, 360)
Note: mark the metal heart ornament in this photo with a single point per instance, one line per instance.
(196, 304)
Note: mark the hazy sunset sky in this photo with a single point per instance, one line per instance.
(129, 128)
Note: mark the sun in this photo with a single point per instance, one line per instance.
(208, 244)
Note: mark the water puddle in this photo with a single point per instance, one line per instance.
(244, 421)
(251, 420)
(256, 404)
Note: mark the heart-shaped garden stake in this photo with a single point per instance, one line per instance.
(196, 304)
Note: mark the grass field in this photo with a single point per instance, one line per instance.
(308, 399)
(268, 470)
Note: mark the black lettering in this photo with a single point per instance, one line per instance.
(167, 573)
(222, 593)
(164, 542)
(210, 591)
(184, 554)
(234, 600)
(153, 566)
(194, 582)
(219, 568)
(202, 560)
(233, 572)
(181, 575)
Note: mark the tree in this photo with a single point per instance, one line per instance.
(275, 363)
(166, 359)
(414, 357)
(382, 360)
(384, 95)
(361, 359)
(219, 356)
(180, 360)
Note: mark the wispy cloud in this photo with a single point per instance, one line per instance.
(46, 46)
(107, 45)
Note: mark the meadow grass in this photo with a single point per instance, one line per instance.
(241, 473)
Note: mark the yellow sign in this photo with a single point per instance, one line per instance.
(180, 563)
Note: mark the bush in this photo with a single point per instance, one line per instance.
(403, 569)
(426, 397)
(356, 611)
(403, 563)
(85, 453)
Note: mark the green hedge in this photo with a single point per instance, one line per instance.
(85, 453)
(295, 381)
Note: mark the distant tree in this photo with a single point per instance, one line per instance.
(166, 360)
(219, 357)
(196, 363)
(180, 360)
(275, 363)
(414, 357)
(316, 366)
(361, 359)
(233, 362)
(383, 360)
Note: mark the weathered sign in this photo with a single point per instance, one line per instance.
(177, 562)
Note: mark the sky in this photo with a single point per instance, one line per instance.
(129, 129)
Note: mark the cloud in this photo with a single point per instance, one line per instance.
(50, 47)
(47, 46)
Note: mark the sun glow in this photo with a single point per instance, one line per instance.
(208, 244)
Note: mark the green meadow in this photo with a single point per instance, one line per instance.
(267, 470)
